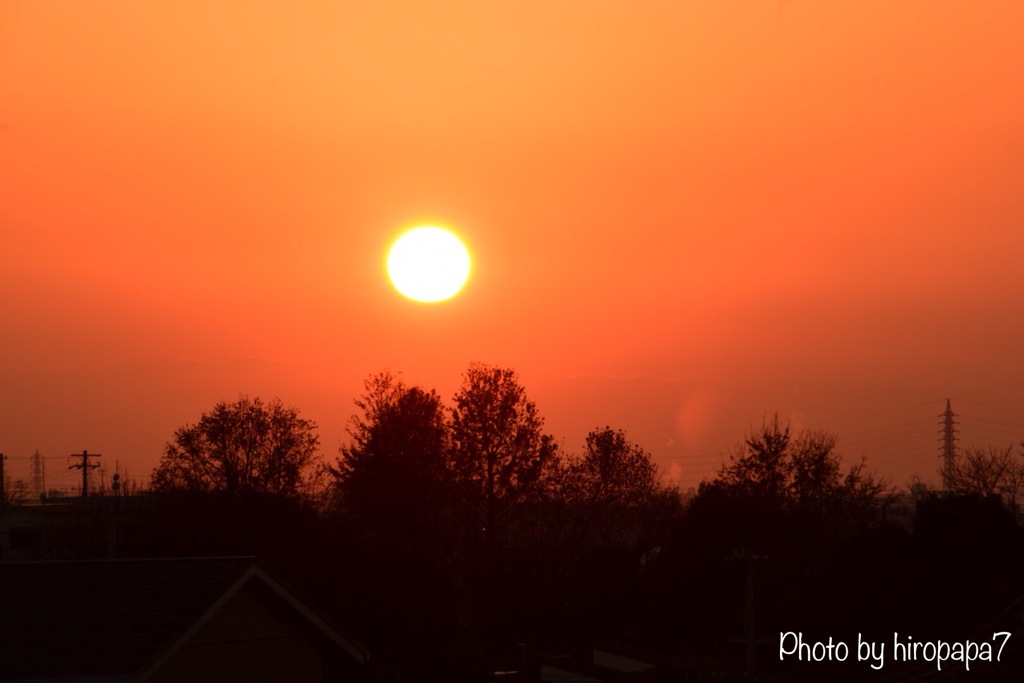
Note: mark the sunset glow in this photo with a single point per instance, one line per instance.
(682, 216)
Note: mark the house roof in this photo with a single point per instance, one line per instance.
(114, 617)
(345, 644)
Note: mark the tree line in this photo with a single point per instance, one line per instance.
(458, 538)
(406, 449)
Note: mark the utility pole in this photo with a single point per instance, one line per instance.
(85, 466)
(750, 638)
(948, 444)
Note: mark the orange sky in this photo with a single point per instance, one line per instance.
(683, 215)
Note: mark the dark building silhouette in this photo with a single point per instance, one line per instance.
(194, 619)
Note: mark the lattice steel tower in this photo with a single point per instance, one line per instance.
(948, 442)
(37, 475)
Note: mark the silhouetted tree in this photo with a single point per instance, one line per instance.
(802, 473)
(502, 461)
(616, 518)
(813, 468)
(395, 472)
(395, 508)
(613, 493)
(787, 498)
(762, 467)
(611, 470)
(242, 447)
(500, 454)
(15, 492)
(987, 472)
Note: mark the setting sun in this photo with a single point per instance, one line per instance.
(428, 264)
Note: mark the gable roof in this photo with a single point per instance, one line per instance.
(254, 573)
(95, 618)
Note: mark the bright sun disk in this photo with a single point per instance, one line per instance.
(428, 264)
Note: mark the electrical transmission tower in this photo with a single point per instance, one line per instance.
(37, 475)
(948, 442)
(85, 466)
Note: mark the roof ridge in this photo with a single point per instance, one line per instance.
(126, 560)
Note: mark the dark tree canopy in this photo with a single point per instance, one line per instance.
(398, 457)
(802, 472)
(243, 447)
(393, 504)
(762, 467)
(612, 469)
(986, 472)
(612, 498)
(500, 451)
